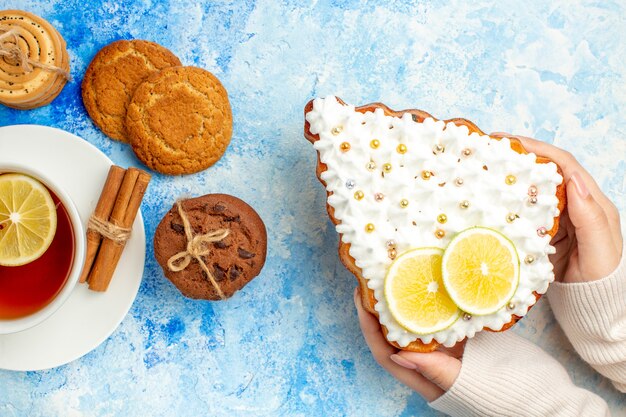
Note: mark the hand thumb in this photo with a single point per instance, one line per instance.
(592, 228)
(437, 367)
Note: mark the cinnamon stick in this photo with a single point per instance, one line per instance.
(123, 215)
(102, 211)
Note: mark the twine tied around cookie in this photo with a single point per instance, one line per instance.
(197, 246)
(10, 50)
(109, 230)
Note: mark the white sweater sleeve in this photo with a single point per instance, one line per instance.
(593, 316)
(506, 375)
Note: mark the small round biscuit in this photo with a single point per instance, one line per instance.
(180, 121)
(36, 39)
(233, 261)
(46, 97)
(112, 77)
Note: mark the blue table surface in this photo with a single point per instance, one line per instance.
(288, 343)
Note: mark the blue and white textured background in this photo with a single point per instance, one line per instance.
(289, 344)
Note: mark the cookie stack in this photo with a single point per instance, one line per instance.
(177, 119)
(34, 63)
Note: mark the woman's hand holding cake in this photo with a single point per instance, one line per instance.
(450, 232)
(447, 229)
(587, 302)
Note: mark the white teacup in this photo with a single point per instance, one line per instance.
(23, 323)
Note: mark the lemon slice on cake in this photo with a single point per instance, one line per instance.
(28, 219)
(480, 269)
(415, 293)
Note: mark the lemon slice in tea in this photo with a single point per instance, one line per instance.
(415, 293)
(480, 270)
(28, 219)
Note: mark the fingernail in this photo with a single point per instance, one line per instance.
(405, 363)
(581, 188)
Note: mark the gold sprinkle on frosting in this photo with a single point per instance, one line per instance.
(442, 218)
(374, 144)
(345, 146)
(359, 195)
(369, 228)
(510, 179)
(401, 148)
(404, 203)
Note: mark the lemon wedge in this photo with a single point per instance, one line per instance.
(480, 269)
(28, 219)
(415, 293)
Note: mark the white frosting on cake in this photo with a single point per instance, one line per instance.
(484, 185)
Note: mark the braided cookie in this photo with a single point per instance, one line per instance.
(113, 76)
(34, 64)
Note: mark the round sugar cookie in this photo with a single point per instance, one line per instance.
(112, 77)
(180, 120)
(233, 261)
(35, 83)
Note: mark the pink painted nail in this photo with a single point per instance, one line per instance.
(581, 188)
(405, 363)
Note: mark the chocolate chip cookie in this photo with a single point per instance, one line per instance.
(232, 261)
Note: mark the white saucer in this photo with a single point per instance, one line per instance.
(87, 318)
